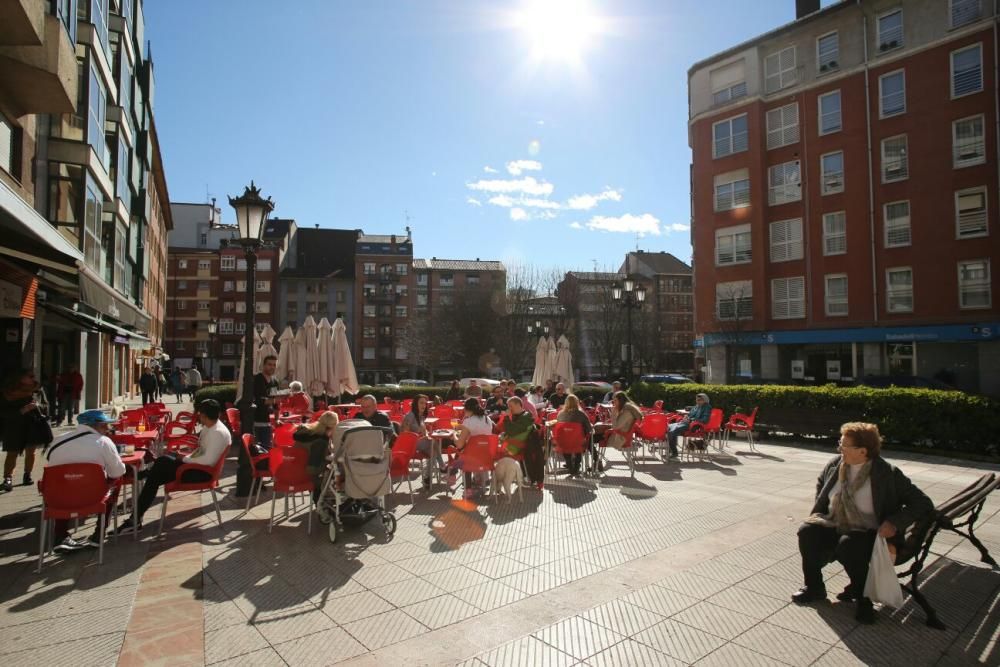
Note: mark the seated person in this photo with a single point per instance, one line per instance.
(370, 412)
(87, 443)
(550, 388)
(298, 401)
(571, 413)
(624, 415)
(316, 437)
(557, 399)
(701, 413)
(520, 440)
(474, 422)
(496, 403)
(528, 405)
(213, 443)
(413, 422)
(616, 387)
(536, 396)
(473, 390)
(858, 495)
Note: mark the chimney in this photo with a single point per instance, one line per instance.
(805, 7)
(317, 225)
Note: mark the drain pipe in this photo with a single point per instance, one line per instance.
(996, 82)
(871, 178)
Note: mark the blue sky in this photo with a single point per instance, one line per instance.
(504, 131)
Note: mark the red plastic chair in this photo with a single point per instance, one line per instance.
(569, 438)
(132, 418)
(73, 491)
(404, 452)
(177, 429)
(443, 411)
(283, 435)
(706, 432)
(479, 454)
(405, 405)
(316, 415)
(741, 423)
(652, 430)
(186, 416)
(211, 484)
(290, 474)
(320, 405)
(233, 417)
(154, 408)
(182, 444)
(627, 446)
(257, 476)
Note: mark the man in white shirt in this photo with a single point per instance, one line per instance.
(87, 443)
(193, 381)
(213, 443)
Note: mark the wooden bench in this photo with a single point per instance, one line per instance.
(958, 512)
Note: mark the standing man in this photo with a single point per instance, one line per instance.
(193, 381)
(69, 386)
(265, 385)
(148, 386)
(177, 381)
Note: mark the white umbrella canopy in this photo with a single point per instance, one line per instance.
(325, 372)
(266, 347)
(550, 358)
(312, 358)
(345, 376)
(564, 362)
(285, 356)
(258, 358)
(300, 354)
(538, 378)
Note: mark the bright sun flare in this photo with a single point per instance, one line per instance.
(558, 29)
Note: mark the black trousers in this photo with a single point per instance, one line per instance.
(163, 470)
(820, 546)
(148, 396)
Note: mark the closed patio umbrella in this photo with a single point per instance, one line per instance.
(325, 372)
(285, 356)
(300, 353)
(550, 358)
(312, 357)
(266, 347)
(538, 378)
(564, 362)
(346, 378)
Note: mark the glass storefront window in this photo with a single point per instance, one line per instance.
(92, 220)
(65, 202)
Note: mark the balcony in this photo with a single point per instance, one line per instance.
(38, 69)
(388, 277)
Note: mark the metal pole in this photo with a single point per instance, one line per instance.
(628, 319)
(247, 407)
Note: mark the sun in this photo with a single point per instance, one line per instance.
(558, 30)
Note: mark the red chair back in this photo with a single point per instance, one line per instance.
(479, 453)
(443, 411)
(320, 405)
(288, 469)
(185, 416)
(133, 417)
(405, 405)
(654, 426)
(714, 421)
(233, 417)
(177, 429)
(73, 490)
(569, 438)
(404, 450)
(283, 435)
(184, 444)
(154, 408)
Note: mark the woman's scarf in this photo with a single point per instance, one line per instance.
(844, 514)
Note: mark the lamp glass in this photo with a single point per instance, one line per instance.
(640, 294)
(213, 326)
(616, 292)
(629, 284)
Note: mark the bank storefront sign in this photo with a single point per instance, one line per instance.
(943, 333)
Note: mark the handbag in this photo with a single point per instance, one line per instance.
(882, 585)
(37, 430)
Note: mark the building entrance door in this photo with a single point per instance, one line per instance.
(901, 358)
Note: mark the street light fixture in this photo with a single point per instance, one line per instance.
(251, 215)
(213, 328)
(630, 296)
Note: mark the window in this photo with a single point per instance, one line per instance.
(446, 299)
(784, 183)
(967, 71)
(899, 290)
(729, 136)
(228, 349)
(204, 265)
(421, 280)
(401, 269)
(788, 298)
(895, 166)
(97, 116)
(262, 307)
(241, 265)
(228, 286)
(225, 326)
(369, 268)
(421, 300)
(369, 311)
(779, 70)
(227, 263)
(10, 148)
(829, 112)
(446, 280)
(786, 240)
(783, 126)
(241, 306)
(263, 286)
(890, 30)
(728, 83)
(836, 294)
(896, 217)
(181, 305)
(264, 264)
(828, 52)
(835, 233)
(182, 284)
(732, 190)
(369, 353)
(892, 94)
(241, 286)
(970, 213)
(733, 92)
(180, 345)
(734, 300)
(182, 264)
(401, 290)
(203, 305)
(832, 172)
(240, 327)
(964, 11)
(732, 245)
(203, 239)
(974, 284)
(402, 354)
(203, 285)
(368, 332)
(228, 307)
(400, 311)
(92, 224)
(968, 142)
(472, 279)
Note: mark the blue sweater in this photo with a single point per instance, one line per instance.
(700, 413)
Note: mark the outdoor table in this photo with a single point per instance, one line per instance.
(437, 436)
(135, 461)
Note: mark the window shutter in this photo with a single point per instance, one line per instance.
(772, 73)
(972, 213)
(964, 11)
(967, 71)
(786, 240)
(897, 224)
(779, 298)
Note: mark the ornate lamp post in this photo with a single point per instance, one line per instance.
(213, 328)
(629, 296)
(251, 214)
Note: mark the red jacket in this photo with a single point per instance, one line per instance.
(70, 382)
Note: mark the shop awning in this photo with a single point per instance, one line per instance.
(134, 340)
(102, 297)
(28, 235)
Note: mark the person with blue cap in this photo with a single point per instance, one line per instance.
(87, 443)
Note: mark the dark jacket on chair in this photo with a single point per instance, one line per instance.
(896, 499)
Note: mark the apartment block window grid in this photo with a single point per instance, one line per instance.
(892, 94)
(832, 173)
(241, 286)
(264, 264)
(788, 298)
(974, 290)
(829, 113)
(828, 52)
(369, 268)
(784, 183)
(204, 265)
(734, 300)
(835, 233)
(968, 141)
(967, 71)
(730, 93)
(780, 70)
(963, 12)
(225, 326)
(786, 240)
(783, 126)
(890, 31)
(228, 307)
(731, 194)
(228, 350)
(227, 263)
(895, 163)
(732, 245)
(730, 136)
(835, 302)
(728, 82)
(970, 213)
(899, 290)
(896, 220)
(263, 285)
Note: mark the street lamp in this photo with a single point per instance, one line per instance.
(251, 214)
(630, 296)
(213, 328)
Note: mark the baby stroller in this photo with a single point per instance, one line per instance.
(359, 450)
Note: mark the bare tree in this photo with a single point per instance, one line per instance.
(733, 312)
(428, 341)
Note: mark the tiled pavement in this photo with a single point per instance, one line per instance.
(688, 563)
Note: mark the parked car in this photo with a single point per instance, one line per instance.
(603, 386)
(387, 385)
(482, 382)
(666, 378)
(905, 381)
(411, 382)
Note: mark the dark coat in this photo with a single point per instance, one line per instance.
(896, 499)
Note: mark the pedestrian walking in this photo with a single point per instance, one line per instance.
(193, 381)
(69, 387)
(147, 386)
(179, 383)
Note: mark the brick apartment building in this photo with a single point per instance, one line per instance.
(318, 278)
(844, 189)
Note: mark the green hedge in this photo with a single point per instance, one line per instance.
(949, 420)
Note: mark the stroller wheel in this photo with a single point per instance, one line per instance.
(333, 532)
(389, 522)
(324, 515)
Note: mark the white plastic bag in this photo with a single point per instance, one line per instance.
(882, 584)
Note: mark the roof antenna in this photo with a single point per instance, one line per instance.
(409, 232)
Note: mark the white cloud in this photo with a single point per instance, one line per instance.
(473, 201)
(505, 201)
(576, 225)
(679, 227)
(587, 202)
(490, 170)
(527, 185)
(540, 203)
(516, 167)
(632, 224)
(518, 214)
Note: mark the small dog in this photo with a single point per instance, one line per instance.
(506, 472)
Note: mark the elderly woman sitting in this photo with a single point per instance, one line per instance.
(858, 495)
(298, 401)
(701, 412)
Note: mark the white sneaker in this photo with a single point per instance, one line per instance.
(69, 545)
